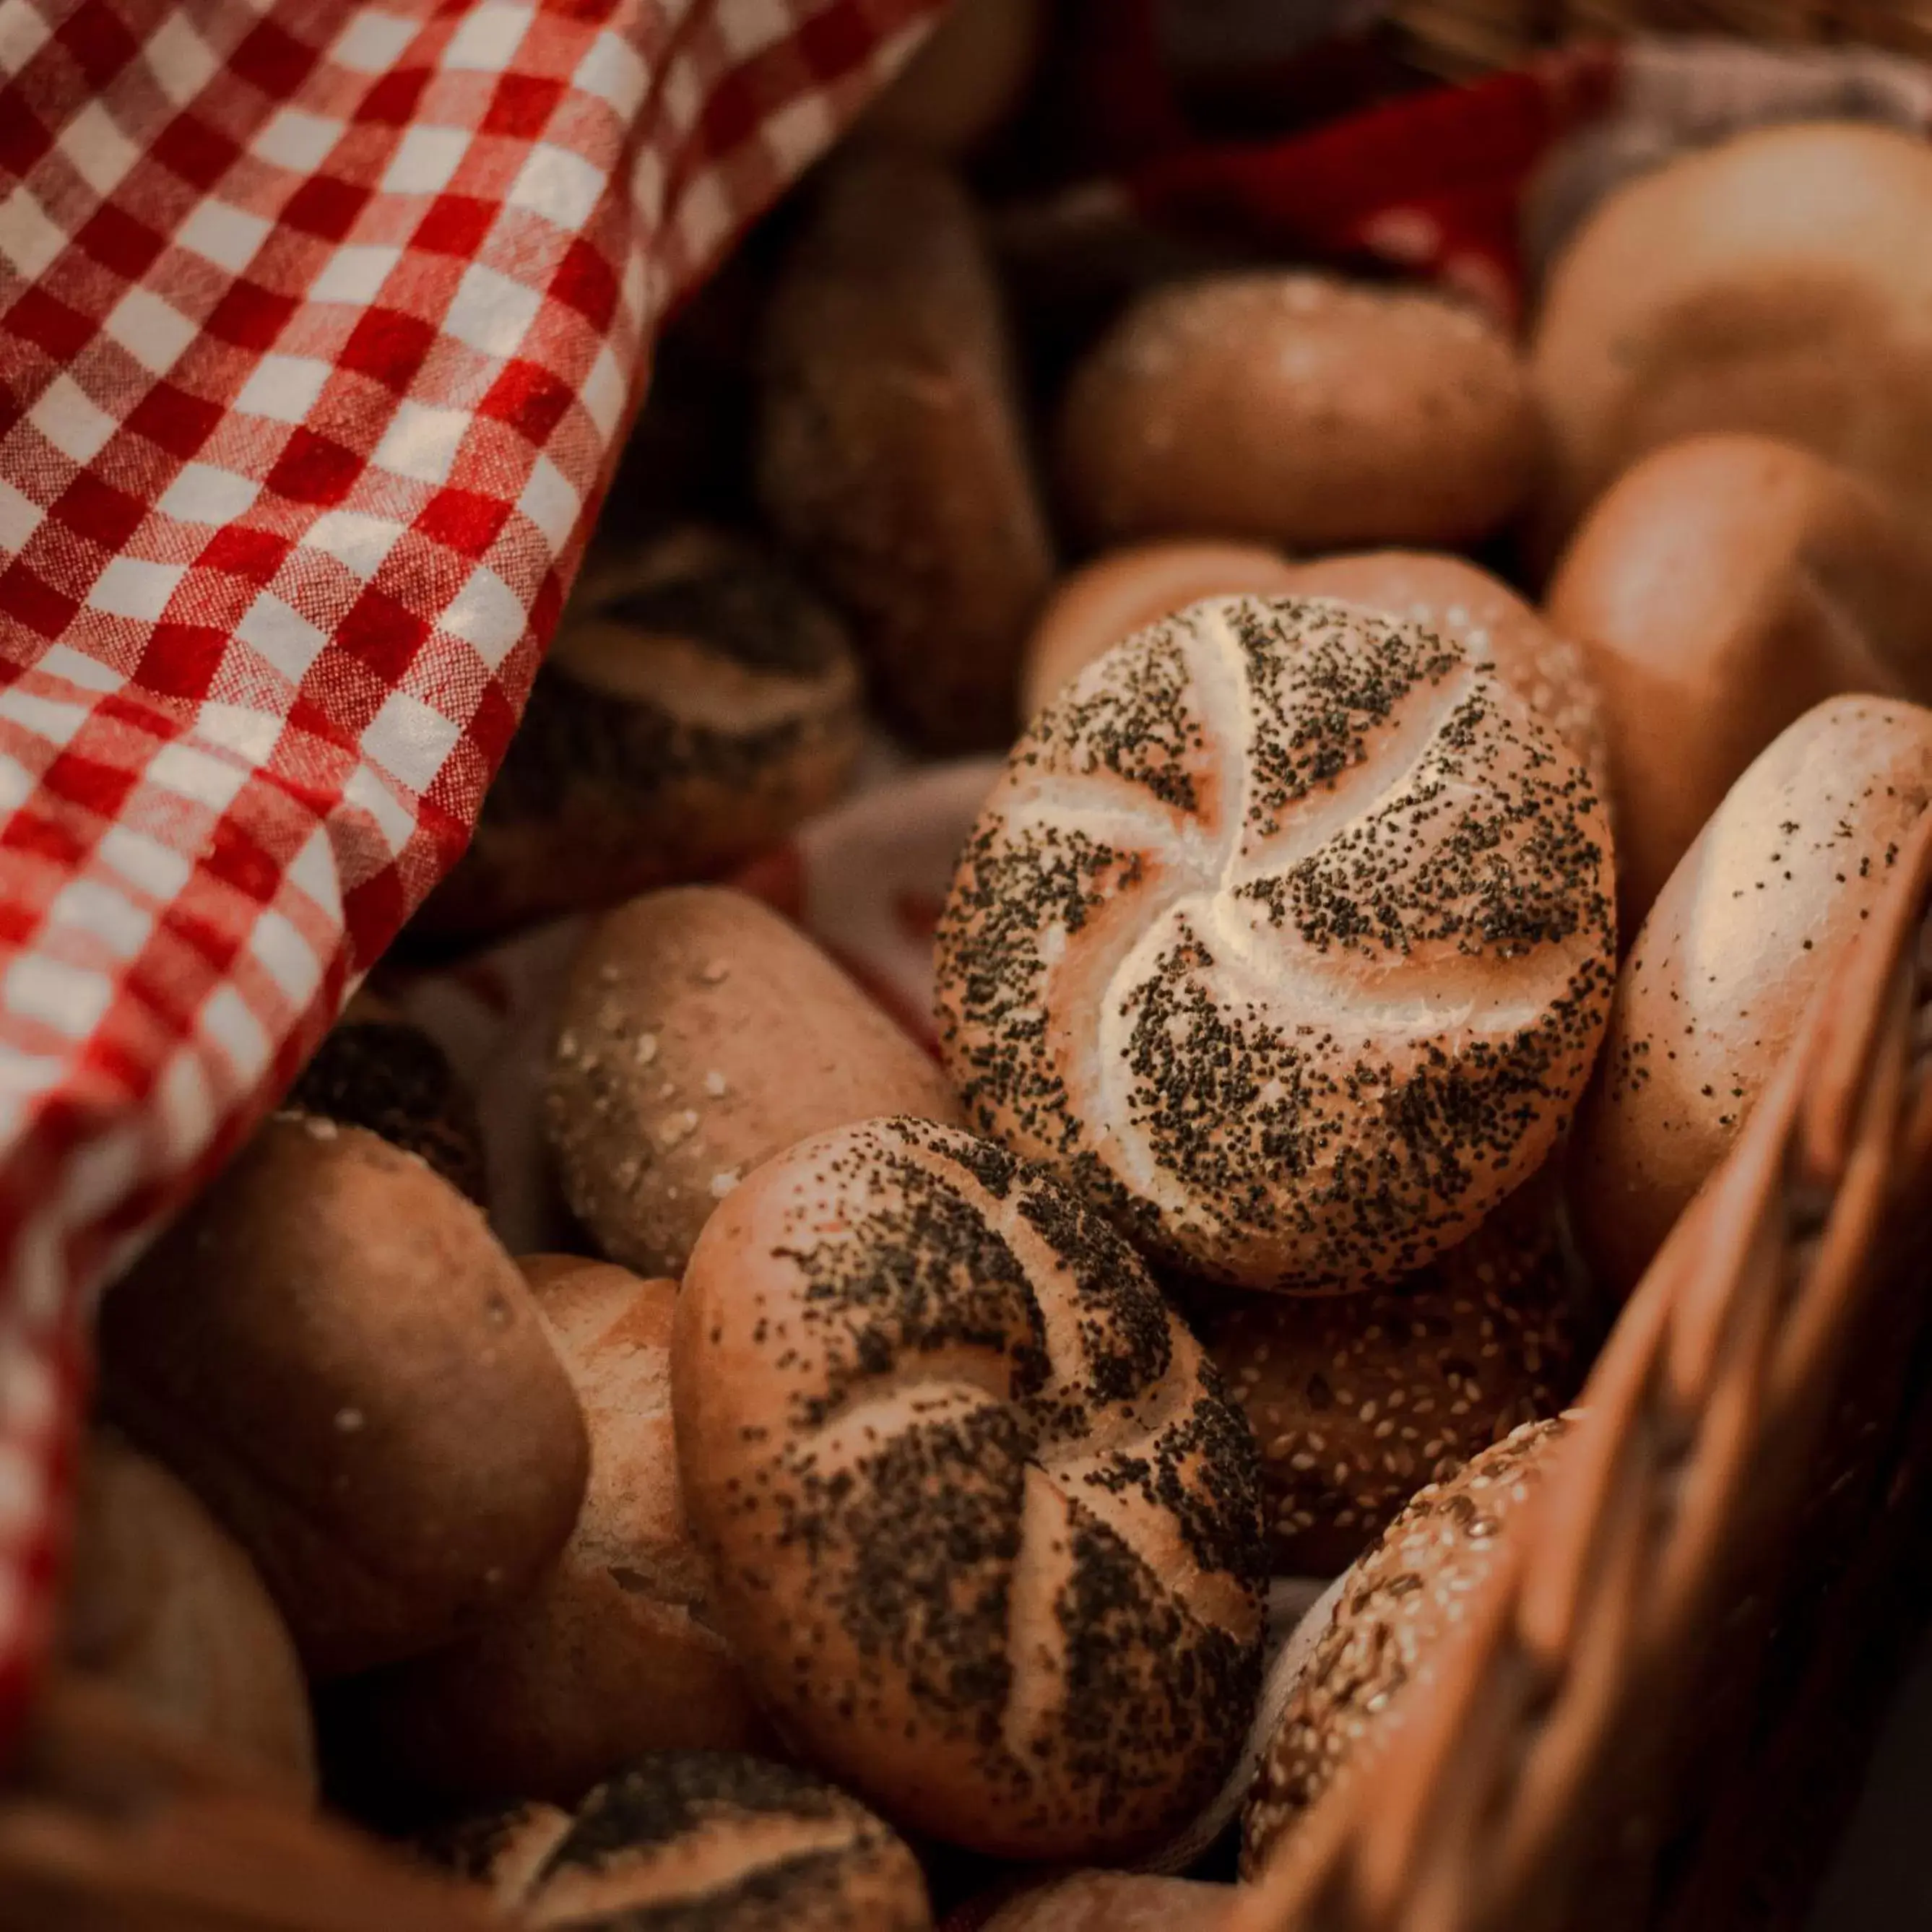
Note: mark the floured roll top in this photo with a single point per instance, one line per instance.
(1286, 938)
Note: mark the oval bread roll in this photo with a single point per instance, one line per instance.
(1723, 586)
(1097, 605)
(891, 455)
(1755, 917)
(163, 1603)
(1110, 1901)
(965, 78)
(330, 1348)
(982, 1526)
(1285, 939)
(699, 1034)
(1397, 1604)
(1778, 282)
(611, 1655)
(1297, 410)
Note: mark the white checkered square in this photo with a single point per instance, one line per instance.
(20, 516)
(487, 37)
(491, 312)
(71, 421)
(208, 780)
(288, 957)
(179, 60)
(30, 238)
(424, 160)
(611, 71)
(227, 1022)
(747, 27)
(410, 740)
(359, 542)
(51, 718)
(372, 41)
(152, 331)
(421, 442)
(156, 869)
(94, 907)
(228, 235)
(393, 818)
(297, 141)
(204, 493)
(285, 388)
(488, 613)
(131, 587)
(57, 993)
(282, 635)
(23, 32)
(550, 502)
(561, 186)
(355, 274)
(99, 152)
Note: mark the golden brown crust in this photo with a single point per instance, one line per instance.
(891, 456)
(1285, 939)
(965, 78)
(1298, 409)
(333, 1352)
(982, 1526)
(1106, 1901)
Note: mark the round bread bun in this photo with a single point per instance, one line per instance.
(1395, 1606)
(703, 1841)
(1109, 1901)
(1453, 598)
(1299, 409)
(331, 1350)
(965, 80)
(1097, 605)
(1357, 1401)
(1754, 918)
(699, 1034)
(891, 454)
(1284, 939)
(697, 703)
(1778, 282)
(1721, 587)
(161, 1602)
(378, 1070)
(982, 1526)
(611, 1655)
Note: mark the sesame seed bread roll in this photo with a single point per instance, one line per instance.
(612, 1653)
(1107, 1901)
(699, 702)
(1721, 587)
(1397, 1604)
(1752, 923)
(1286, 940)
(1453, 598)
(1357, 1401)
(1297, 410)
(891, 456)
(1778, 282)
(982, 1528)
(703, 1841)
(1093, 607)
(699, 1034)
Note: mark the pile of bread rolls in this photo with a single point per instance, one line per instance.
(1439, 769)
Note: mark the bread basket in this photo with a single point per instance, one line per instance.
(1704, 1606)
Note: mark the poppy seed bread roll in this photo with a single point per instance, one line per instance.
(1285, 939)
(983, 1530)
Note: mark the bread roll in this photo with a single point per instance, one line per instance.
(982, 1526)
(700, 1033)
(1357, 1401)
(1778, 282)
(967, 77)
(611, 1655)
(891, 454)
(1399, 1602)
(1753, 920)
(705, 1841)
(161, 1602)
(697, 703)
(1448, 594)
(1298, 409)
(1126, 590)
(331, 1350)
(377, 1069)
(1106, 1901)
(1284, 939)
(1723, 585)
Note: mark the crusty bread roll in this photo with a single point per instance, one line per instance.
(1093, 607)
(891, 454)
(1394, 1606)
(1356, 1401)
(1721, 587)
(1779, 282)
(611, 1655)
(1451, 596)
(1298, 409)
(699, 1034)
(1754, 919)
(703, 1841)
(697, 703)
(330, 1348)
(1285, 939)
(965, 78)
(1108, 1901)
(982, 1528)
(161, 1602)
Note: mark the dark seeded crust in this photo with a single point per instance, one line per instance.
(391, 1078)
(956, 1468)
(1402, 1599)
(1267, 1132)
(603, 794)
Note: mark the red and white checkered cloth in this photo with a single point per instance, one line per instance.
(319, 321)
